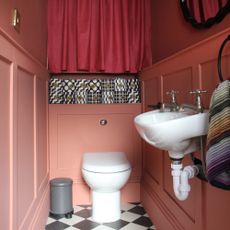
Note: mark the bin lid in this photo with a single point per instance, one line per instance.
(61, 182)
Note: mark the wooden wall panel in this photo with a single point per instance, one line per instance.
(154, 207)
(209, 75)
(25, 144)
(5, 78)
(76, 129)
(180, 81)
(151, 92)
(216, 207)
(24, 196)
(153, 163)
(41, 111)
(205, 209)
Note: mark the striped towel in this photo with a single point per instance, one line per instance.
(218, 139)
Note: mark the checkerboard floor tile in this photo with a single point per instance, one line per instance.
(133, 217)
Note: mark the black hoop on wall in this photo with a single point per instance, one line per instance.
(219, 57)
(207, 24)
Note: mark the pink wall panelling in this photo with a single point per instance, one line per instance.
(5, 142)
(205, 209)
(76, 129)
(156, 165)
(25, 144)
(42, 128)
(24, 156)
(23, 149)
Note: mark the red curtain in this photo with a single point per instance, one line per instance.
(113, 36)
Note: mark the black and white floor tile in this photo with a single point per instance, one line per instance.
(133, 217)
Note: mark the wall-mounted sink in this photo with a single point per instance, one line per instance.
(175, 132)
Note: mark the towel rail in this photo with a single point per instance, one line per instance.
(219, 57)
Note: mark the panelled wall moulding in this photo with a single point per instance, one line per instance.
(76, 129)
(192, 68)
(5, 142)
(26, 175)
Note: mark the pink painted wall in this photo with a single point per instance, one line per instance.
(76, 129)
(171, 33)
(5, 143)
(24, 168)
(33, 30)
(206, 207)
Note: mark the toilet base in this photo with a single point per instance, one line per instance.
(106, 206)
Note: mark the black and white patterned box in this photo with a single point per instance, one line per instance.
(94, 97)
(95, 91)
(69, 91)
(133, 91)
(108, 97)
(81, 89)
(120, 96)
(94, 86)
(81, 97)
(55, 91)
(133, 96)
(133, 84)
(120, 84)
(108, 85)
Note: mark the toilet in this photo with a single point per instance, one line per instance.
(105, 173)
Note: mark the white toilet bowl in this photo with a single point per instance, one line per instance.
(105, 173)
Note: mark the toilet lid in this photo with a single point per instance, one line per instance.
(105, 162)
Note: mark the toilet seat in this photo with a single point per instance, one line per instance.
(109, 162)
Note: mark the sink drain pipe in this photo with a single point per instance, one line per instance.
(181, 178)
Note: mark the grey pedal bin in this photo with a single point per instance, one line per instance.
(61, 197)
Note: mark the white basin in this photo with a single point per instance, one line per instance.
(175, 132)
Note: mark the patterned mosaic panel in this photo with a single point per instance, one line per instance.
(95, 91)
(68, 91)
(55, 91)
(120, 85)
(108, 85)
(108, 97)
(81, 97)
(94, 98)
(94, 86)
(81, 89)
(120, 96)
(133, 91)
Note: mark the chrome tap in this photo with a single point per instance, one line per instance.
(198, 106)
(173, 106)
